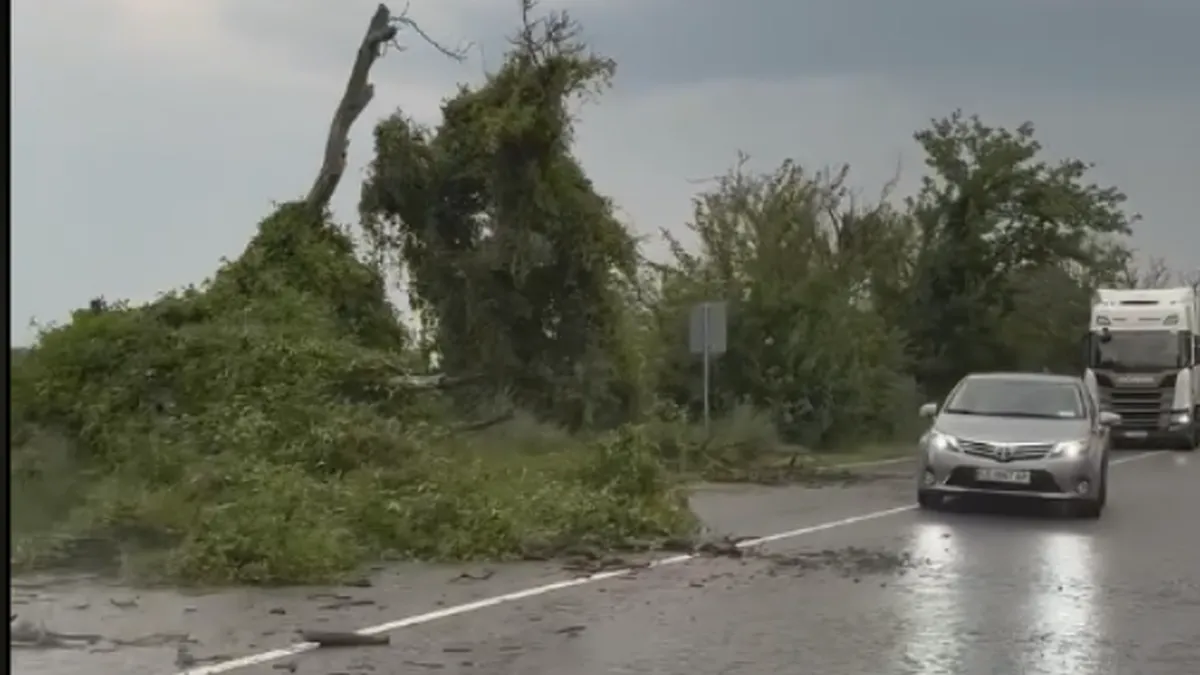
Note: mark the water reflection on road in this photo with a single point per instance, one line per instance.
(931, 617)
(1064, 612)
(1033, 606)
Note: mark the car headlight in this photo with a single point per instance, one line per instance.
(936, 440)
(1069, 449)
(1181, 417)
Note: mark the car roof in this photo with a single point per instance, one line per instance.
(1026, 377)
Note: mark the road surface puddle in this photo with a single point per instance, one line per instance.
(1064, 614)
(1033, 608)
(932, 620)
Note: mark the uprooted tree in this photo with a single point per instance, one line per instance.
(264, 426)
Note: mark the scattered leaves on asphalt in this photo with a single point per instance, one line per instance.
(851, 561)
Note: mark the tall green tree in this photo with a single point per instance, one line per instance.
(992, 212)
(516, 262)
(795, 260)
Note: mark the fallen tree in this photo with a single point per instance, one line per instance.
(275, 424)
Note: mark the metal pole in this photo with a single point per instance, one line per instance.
(706, 373)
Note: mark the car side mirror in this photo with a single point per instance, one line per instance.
(1109, 418)
(928, 410)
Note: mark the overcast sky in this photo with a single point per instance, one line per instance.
(150, 136)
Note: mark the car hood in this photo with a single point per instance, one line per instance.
(1011, 429)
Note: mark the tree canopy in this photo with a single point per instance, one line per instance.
(280, 423)
(515, 260)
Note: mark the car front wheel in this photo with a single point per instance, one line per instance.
(1093, 508)
(929, 500)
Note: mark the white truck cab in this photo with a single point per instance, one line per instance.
(1143, 363)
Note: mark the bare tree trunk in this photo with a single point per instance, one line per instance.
(1192, 279)
(359, 92)
(1156, 274)
(381, 32)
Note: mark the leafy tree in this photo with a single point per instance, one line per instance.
(515, 260)
(991, 212)
(795, 261)
(1051, 309)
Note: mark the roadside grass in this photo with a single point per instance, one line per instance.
(863, 454)
(798, 465)
(743, 447)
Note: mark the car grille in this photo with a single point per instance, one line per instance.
(1005, 452)
(1139, 408)
(1040, 481)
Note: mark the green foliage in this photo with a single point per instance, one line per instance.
(254, 430)
(515, 259)
(845, 314)
(263, 427)
(991, 213)
(806, 342)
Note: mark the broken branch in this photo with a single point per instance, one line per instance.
(338, 639)
(381, 32)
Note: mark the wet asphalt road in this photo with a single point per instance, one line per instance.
(984, 588)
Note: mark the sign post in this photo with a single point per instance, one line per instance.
(707, 336)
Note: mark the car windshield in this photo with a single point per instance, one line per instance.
(1016, 398)
(1129, 350)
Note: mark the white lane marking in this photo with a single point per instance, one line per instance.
(455, 610)
(1134, 458)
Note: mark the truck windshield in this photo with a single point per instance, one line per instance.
(1134, 350)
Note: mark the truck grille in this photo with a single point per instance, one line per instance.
(1139, 408)
(1006, 452)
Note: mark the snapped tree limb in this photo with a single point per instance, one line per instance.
(325, 638)
(381, 32)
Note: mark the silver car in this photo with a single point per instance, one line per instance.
(1030, 435)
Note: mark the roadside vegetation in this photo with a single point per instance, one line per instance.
(279, 423)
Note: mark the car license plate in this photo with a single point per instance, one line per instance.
(1003, 476)
(1134, 434)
